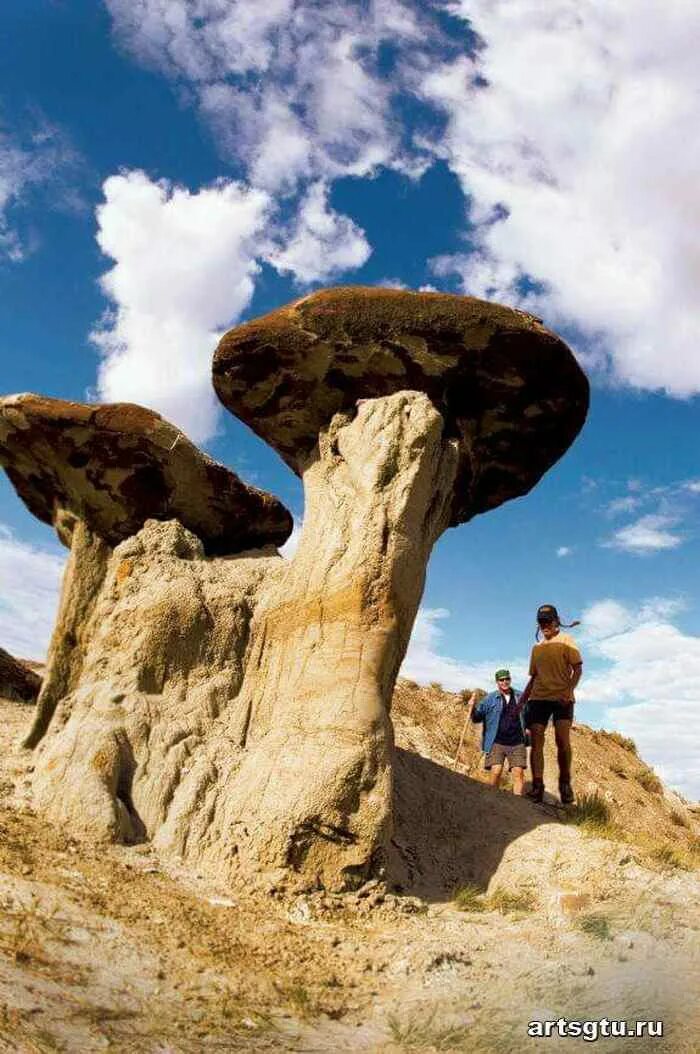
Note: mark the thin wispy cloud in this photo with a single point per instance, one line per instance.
(622, 505)
(649, 534)
(30, 578)
(37, 157)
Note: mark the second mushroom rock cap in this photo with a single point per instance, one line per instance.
(509, 390)
(117, 465)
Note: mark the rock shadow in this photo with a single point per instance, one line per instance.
(450, 830)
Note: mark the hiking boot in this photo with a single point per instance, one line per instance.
(536, 792)
(566, 794)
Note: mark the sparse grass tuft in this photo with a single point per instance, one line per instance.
(618, 770)
(679, 819)
(592, 814)
(623, 741)
(504, 901)
(469, 898)
(648, 779)
(589, 811)
(300, 1000)
(671, 857)
(435, 686)
(424, 1033)
(595, 925)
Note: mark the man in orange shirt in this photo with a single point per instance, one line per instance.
(555, 670)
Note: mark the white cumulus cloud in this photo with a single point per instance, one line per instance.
(30, 579)
(564, 550)
(426, 663)
(650, 681)
(571, 131)
(184, 267)
(292, 88)
(321, 242)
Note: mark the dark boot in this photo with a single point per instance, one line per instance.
(566, 793)
(536, 793)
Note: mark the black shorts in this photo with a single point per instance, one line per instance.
(539, 711)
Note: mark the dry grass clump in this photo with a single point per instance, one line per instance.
(471, 899)
(592, 814)
(622, 741)
(423, 1032)
(648, 779)
(679, 819)
(595, 925)
(504, 901)
(672, 857)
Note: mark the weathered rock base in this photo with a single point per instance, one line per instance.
(236, 710)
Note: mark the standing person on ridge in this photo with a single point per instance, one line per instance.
(555, 670)
(504, 731)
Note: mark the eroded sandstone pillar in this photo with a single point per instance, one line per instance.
(312, 793)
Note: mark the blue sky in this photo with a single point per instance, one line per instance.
(169, 167)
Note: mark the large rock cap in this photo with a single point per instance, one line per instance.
(508, 389)
(117, 465)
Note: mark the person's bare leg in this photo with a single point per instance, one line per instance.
(562, 734)
(495, 775)
(518, 775)
(537, 752)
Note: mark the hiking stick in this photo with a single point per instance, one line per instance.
(464, 726)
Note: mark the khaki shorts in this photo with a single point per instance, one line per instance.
(517, 756)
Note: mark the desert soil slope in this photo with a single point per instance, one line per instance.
(508, 914)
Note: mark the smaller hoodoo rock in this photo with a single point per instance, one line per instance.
(97, 473)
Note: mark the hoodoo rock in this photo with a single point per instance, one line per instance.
(17, 681)
(404, 413)
(97, 473)
(235, 709)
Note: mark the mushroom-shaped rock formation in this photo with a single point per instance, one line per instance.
(404, 413)
(237, 711)
(98, 473)
(17, 681)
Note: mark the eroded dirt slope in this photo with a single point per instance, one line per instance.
(112, 948)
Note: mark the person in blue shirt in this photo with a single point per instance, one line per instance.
(504, 732)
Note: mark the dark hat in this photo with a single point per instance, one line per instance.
(501, 675)
(547, 613)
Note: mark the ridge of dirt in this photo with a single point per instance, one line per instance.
(115, 948)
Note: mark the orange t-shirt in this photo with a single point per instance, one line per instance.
(551, 664)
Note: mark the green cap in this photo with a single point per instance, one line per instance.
(502, 674)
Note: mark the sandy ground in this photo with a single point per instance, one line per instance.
(112, 948)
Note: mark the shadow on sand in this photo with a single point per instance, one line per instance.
(450, 830)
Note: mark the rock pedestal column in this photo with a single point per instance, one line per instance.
(82, 579)
(312, 793)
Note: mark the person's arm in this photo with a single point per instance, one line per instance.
(525, 694)
(576, 664)
(477, 713)
(576, 673)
